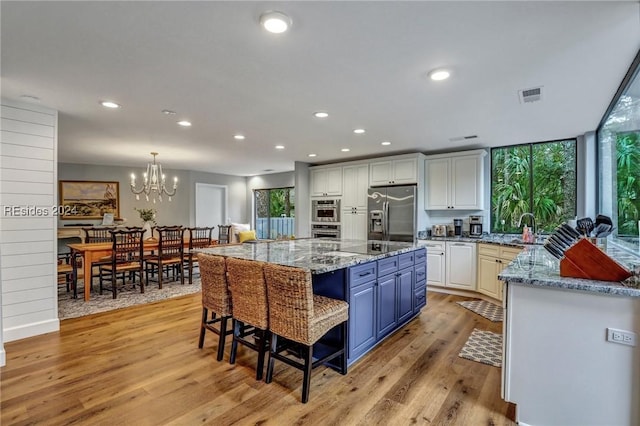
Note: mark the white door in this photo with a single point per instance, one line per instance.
(211, 205)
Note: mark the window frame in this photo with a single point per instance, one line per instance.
(255, 205)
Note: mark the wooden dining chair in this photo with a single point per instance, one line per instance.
(298, 315)
(199, 237)
(98, 235)
(250, 311)
(216, 299)
(170, 253)
(126, 257)
(224, 234)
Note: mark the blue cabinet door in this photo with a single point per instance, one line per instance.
(362, 319)
(387, 317)
(405, 288)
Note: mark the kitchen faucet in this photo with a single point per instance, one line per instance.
(533, 224)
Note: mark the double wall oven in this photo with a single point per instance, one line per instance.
(325, 218)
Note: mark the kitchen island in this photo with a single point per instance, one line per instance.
(383, 282)
(559, 366)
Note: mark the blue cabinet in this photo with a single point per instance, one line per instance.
(387, 316)
(384, 295)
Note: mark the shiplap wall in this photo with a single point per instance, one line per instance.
(28, 242)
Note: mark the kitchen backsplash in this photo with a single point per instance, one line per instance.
(445, 217)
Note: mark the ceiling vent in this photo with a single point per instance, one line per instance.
(462, 138)
(530, 95)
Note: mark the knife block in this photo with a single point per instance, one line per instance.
(585, 260)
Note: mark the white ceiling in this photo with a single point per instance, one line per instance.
(363, 62)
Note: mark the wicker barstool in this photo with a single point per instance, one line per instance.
(296, 314)
(250, 311)
(215, 298)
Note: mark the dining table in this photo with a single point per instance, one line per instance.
(92, 252)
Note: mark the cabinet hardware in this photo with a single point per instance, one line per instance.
(365, 274)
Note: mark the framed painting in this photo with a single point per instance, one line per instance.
(81, 199)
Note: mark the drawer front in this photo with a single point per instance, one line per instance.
(360, 274)
(405, 260)
(420, 256)
(489, 250)
(434, 246)
(421, 274)
(387, 266)
(510, 253)
(420, 298)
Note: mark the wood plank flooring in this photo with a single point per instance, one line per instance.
(141, 366)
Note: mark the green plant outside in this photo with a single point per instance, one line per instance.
(628, 182)
(537, 178)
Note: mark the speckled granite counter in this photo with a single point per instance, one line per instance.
(318, 255)
(511, 240)
(534, 266)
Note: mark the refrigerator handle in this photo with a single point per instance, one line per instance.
(385, 221)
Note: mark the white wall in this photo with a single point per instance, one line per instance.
(303, 195)
(28, 176)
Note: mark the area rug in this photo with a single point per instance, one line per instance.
(68, 307)
(484, 347)
(489, 310)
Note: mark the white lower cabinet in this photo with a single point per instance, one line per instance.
(435, 263)
(492, 259)
(461, 265)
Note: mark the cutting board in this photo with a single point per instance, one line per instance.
(585, 260)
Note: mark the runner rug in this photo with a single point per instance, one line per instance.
(68, 307)
(489, 310)
(483, 346)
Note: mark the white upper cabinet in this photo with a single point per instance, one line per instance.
(356, 183)
(394, 172)
(455, 181)
(326, 181)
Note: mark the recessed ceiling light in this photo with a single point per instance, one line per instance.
(320, 114)
(275, 22)
(439, 74)
(385, 143)
(358, 131)
(312, 155)
(184, 123)
(238, 137)
(109, 104)
(279, 146)
(168, 112)
(345, 150)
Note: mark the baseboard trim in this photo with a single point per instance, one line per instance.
(30, 330)
(3, 357)
(466, 293)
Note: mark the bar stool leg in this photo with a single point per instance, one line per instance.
(271, 362)
(306, 381)
(223, 335)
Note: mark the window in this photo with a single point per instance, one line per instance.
(535, 178)
(275, 213)
(618, 139)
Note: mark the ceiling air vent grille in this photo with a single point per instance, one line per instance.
(530, 95)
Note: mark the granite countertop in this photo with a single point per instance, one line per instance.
(510, 240)
(534, 266)
(318, 255)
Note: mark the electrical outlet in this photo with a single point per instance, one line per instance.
(621, 336)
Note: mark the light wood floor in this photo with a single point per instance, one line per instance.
(142, 366)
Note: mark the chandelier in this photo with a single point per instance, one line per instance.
(153, 182)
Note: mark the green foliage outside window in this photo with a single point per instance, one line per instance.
(538, 178)
(628, 182)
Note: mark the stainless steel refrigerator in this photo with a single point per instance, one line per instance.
(391, 213)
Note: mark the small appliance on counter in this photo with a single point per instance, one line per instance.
(457, 227)
(439, 230)
(475, 226)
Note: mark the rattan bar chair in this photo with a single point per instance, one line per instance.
(215, 298)
(250, 311)
(198, 238)
(298, 315)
